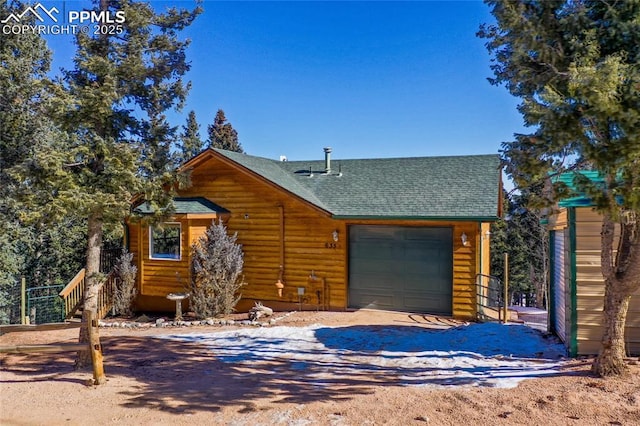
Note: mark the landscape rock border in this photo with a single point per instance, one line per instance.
(164, 323)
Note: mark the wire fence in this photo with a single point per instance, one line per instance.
(10, 301)
(39, 304)
(44, 305)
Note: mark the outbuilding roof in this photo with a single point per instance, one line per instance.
(580, 199)
(448, 187)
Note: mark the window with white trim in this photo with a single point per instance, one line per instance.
(164, 241)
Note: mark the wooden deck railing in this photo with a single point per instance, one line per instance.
(73, 295)
(106, 295)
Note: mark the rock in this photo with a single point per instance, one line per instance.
(259, 311)
(143, 318)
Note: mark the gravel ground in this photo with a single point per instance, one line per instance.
(157, 381)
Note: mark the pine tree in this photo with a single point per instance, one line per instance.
(216, 263)
(44, 252)
(118, 143)
(191, 144)
(25, 61)
(222, 135)
(574, 64)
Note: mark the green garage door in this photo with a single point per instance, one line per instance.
(401, 268)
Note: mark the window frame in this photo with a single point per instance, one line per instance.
(153, 255)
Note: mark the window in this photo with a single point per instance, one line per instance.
(164, 241)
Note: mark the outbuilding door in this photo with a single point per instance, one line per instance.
(559, 285)
(401, 268)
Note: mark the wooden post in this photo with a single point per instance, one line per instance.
(506, 287)
(95, 349)
(23, 298)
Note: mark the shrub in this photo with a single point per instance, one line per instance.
(216, 272)
(125, 288)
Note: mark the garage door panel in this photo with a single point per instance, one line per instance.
(426, 234)
(419, 283)
(376, 282)
(401, 268)
(380, 266)
(416, 266)
(376, 301)
(380, 233)
(374, 249)
(424, 304)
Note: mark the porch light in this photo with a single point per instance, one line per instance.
(465, 241)
(335, 235)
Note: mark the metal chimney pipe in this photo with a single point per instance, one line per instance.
(327, 160)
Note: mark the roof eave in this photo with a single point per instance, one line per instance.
(419, 218)
(196, 160)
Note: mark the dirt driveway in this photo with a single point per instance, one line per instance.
(154, 380)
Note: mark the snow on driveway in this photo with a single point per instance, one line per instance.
(487, 354)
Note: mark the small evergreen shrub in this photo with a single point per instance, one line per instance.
(125, 287)
(216, 273)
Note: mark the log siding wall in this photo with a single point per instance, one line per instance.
(266, 218)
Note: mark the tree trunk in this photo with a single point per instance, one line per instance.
(622, 279)
(610, 359)
(93, 282)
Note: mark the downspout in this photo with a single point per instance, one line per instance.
(280, 283)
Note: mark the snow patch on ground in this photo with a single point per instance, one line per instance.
(487, 354)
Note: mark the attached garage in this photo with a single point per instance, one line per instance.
(404, 234)
(401, 268)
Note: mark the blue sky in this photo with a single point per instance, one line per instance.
(370, 79)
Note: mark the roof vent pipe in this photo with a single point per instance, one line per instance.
(327, 160)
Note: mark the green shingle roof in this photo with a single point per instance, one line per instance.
(580, 200)
(455, 187)
(183, 205)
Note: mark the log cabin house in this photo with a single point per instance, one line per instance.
(576, 281)
(406, 234)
